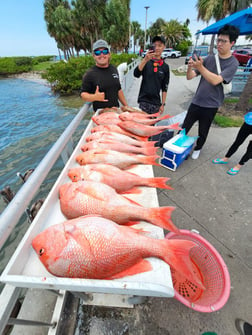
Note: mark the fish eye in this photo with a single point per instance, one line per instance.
(74, 177)
(41, 251)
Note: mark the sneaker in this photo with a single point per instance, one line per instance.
(243, 327)
(195, 154)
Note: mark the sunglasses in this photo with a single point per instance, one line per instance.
(99, 52)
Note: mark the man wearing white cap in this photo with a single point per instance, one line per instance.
(101, 84)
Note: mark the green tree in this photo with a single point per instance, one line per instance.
(156, 27)
(174, 32)
(49, 15)
(88, 21)
(116, 24)
(137, 32)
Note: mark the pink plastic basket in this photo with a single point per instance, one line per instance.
(212, 270)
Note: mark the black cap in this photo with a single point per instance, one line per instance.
(158, 38)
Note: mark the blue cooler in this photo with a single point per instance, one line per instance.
(173, 154)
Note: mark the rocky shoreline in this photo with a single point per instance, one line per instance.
(31, 76)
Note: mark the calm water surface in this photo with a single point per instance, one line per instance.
(32, 118)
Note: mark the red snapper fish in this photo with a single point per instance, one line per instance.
(106, 118)
(116, 158)
(109, 135)
(132, 110)
(143, 130)
(119, 146)
(90, 197)
(120, 180)
(117, 129)
(92, 247)
(142, 119)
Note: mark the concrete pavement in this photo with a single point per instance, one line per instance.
(219, 207)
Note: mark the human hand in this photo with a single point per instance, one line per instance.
(195, 63)
(161, 109)
(99, 96)
(149, 55)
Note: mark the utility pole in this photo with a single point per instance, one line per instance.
(146, 7)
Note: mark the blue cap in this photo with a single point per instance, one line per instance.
(248, 118)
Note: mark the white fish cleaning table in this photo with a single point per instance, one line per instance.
(25, 269)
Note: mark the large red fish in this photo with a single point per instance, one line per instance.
(115, 128)
(120, 180)
(90, 197)
(110, 135)
(96, 248)
(141, 118)
(106, 118)
(143, 130)
(119, 146)
(116, 158)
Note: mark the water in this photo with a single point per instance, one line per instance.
(32, 118)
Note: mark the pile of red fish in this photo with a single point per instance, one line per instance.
(96, 240)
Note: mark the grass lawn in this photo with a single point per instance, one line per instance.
(42, 66)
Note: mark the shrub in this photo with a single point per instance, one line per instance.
(66, 77)
(12, 65)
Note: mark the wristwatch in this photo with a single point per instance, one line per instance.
(163, 104)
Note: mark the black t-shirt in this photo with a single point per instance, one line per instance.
(108, 81)
(153, 82)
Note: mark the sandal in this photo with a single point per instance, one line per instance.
(219, 161)
(232, 172)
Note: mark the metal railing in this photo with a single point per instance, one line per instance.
(15, 209)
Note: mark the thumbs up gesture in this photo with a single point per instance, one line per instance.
(99, 96)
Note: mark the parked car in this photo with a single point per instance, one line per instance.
(169, 52)
(242, 55)
(203, 54)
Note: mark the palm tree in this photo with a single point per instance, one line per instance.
(49, 15)
(136, 31)
(174, 32)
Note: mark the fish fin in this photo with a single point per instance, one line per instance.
(159, 182)
(178, 257)
(142, 266)
(151, 160)
(94, 120)
(133, 190)
(150, 150)
(161, 216)
(133, 201)
(131, 223)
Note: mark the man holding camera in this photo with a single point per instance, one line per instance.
(156, 76)
(209, 95)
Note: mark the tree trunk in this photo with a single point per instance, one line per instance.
(243, 103)
(212, 44)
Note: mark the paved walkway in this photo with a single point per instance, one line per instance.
(219, 207)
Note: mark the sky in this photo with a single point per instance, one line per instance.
(23, 29)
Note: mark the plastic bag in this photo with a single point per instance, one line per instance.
(185, 141)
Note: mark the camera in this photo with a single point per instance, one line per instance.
(152, 47)
(196, 53)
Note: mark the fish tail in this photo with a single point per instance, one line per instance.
(161, 216)
(150, 143)
(154, 115)
(177, 255)
(165, 117)
(175, 126)
(149, 150)
(159, 182)
(149, 160)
